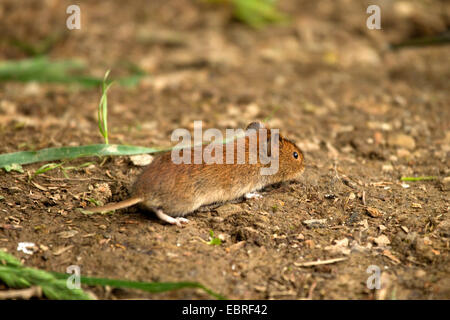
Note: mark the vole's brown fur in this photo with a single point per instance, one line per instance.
(173, 190)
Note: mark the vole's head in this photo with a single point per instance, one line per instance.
(290, 161)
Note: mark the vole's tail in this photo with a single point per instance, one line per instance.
(115, 205)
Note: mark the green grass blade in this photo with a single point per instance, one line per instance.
(38, 69)
(41, 69)
(417, 178)
(257, 13)
(153, 287)
(8, 259)
(435, 40)
(54, 285)
(15, 275)
(47, 167)
(271, 114)
(214, 240)
(13, 167)
(15, 159)
(39, 48)
(102, 114)
(62, 153)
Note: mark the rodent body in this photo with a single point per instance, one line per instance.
(174, 190)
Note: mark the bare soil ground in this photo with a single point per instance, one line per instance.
(364, 116)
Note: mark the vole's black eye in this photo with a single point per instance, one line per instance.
(295, 154)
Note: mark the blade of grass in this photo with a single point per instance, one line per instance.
(214, 241)
(39, 48)
(51, 166)
(52, 287)
(41, 69)
(15, 275)
(417, 178)
(54, 284)
(86, 164)
(102, 116)
(15, 159)
(47, 167)
(271, 114)
(13, 167)
(153, 287)
(257, 13)
(435, 40)
(63, 153)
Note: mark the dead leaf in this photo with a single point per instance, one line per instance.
(61, 250)
(67, 234)
(237, 246)
(318, 262)
(436, 252)
(373, 212)
(10, 227)
(389, 255)
(39, 186)
(310, 243)
(312, 222)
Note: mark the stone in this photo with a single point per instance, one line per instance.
(445, 184)
(141, 159)
(402, 140)
(382, 241)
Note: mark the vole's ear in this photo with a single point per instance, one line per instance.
(277, 139)
(255, 125)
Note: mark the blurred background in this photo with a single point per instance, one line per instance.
(227, 62)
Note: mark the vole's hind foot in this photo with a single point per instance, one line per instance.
(180, 221)
(164, 217)
(253, 195)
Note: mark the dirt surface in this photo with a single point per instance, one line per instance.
(364, 116)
